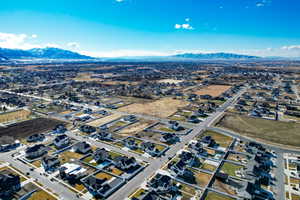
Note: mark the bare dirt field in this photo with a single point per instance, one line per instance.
(213, 90)
(99, 122)
(284, 133)
(29, 127)
(159, 108)
(135, 128)
(14, 115)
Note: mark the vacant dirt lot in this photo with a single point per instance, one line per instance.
(286, 133)
(14, 115)
(135, 128)
(30, 127)
(213, 90)
(160, 108)
(99, 122)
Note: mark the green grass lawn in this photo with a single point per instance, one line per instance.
(230, 168)
(222, 140)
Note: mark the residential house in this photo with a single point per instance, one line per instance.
(87, 129)
(36, 137)
(9, 184)
(162, 184)
(193, 119)
(130, 143)
(100, 155)
(130, 118)
(36, 151)
(60, 129)
(104, 135)
(82, 147)
(96, 186)
(169, 138)
(174, 125)
(150, 148)
(179, 169)
(61, 141)
(72, 171)
(125, 163)
(209, 141)
(189, 159)
(50, 163)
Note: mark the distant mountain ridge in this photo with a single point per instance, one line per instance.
(41, 53)
(221, 55)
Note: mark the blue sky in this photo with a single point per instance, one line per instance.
(153, 27)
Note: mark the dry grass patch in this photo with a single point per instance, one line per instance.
(14, 115)
(213, 90)
(99, 122)
(135, 128)
(286, 133)
(41, 194)
(159, 108)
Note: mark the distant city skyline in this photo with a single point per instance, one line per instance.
(116, 28)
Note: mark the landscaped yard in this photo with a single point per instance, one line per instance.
(231, 169)
(222, 140)
(286, 133)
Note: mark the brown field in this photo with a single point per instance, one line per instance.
(284, 133)
(14, 115)
(213, 90)
(135, 128)
(104, 120)
(30, 127)
(159, 108)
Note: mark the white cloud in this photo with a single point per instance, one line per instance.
(184, 26)
(263, 3)
(177, 26)
(119, 1)
(291, 47)
(73, 45)
(260, 4)
(17, 41)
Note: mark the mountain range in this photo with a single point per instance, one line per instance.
(215, 56)
(50, 53)
(40, 53)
